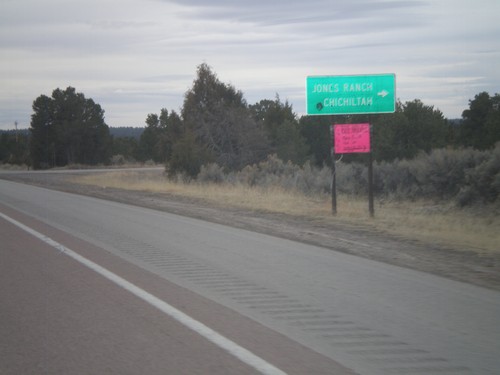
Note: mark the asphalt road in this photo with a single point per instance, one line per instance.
(304, 309)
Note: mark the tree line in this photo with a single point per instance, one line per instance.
(217, 125)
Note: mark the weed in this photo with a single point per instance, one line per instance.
(443, 223)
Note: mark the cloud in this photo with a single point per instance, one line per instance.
(139, 56)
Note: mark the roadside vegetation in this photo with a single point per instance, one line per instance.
(434, 177)
(273, 186)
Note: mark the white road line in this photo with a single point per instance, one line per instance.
(234, 349)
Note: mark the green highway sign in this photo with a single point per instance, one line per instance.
(347, 95)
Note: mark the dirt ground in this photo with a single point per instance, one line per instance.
(461, 264)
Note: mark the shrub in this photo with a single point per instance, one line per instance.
(441, 173)
(272, 172)
(482, 183)
(396, 179)
(465, 176)
(351, 178)
(118, 160)
(313, 180)
(211, 173)
(187, 157)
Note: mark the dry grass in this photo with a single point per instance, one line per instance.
(442, 224)
(417, 220)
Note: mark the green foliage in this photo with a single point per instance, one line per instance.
(291, 146)
(270, 114)
(273, 172)
(211, 173)
(482, 182)
(220, 138)
(351, 178)
(149, 138)
(218, 117)
(161, 133)
(14, 148)
(466, 176)
(391, 137)
(188, 156)
(429, 128)
(282, 129)
(414, 127)
(316, 132)
(127, 147)
(43, 133)
(481, 122)
(68, 129)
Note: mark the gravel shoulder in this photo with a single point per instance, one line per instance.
(465, 265)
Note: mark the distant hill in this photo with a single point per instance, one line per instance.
(456, 121)
(120, 132)
(126, 132)
(13, 131)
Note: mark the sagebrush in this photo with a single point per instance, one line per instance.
(464, 176)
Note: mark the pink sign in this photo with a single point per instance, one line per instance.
(352, 138)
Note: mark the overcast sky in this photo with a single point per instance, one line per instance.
(134, 57)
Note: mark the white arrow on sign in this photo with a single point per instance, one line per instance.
(383, 93)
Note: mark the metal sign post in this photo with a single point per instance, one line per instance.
(334, 173)
(349, 95)
(371, 207)
(350, 139)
